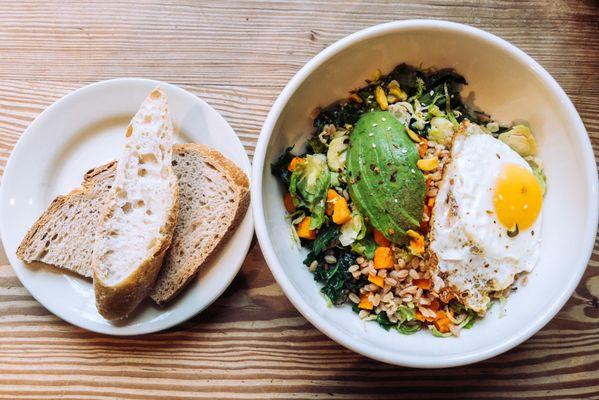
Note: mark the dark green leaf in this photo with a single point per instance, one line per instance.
(325, 238)
(279, 167)
(383, 321)
(338, 115)
(316, 146)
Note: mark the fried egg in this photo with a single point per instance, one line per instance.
(487, 217)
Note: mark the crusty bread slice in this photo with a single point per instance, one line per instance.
(137, 223)
(63, 235)
(212, 191)
(214, 197)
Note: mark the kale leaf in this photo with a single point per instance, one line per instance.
(279, 167)
(383, 321)
(325, 238)
(338, 114)
(336, 278)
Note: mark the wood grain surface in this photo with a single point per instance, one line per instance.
(252, 343)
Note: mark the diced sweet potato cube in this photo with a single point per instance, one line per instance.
(341, 213)
(293, 164)
(442, 322)
(304, 231)
(364, 303)
(380, 239)
(377, 280)
(383, 258)
(332, 197)
(288, 201)
(424, 284)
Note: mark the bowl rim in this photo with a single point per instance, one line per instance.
(320, 322)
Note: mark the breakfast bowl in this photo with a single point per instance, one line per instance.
(506, 83)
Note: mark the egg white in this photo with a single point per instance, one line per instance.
(472, 247)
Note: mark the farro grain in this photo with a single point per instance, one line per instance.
(409, 290)
(376, 299)
(354, 297)
(418, 293)
(402, 274)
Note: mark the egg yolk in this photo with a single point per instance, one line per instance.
(517, 198)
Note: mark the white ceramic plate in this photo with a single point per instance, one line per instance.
(503, 81)
(80, 131)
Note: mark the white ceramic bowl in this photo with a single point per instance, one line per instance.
(509, 85)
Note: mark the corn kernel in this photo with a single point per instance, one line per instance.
(376, 75)
(413, 234)
(428, 164)
(381, 98)
(397, 92)
(356, 98)
(413, 135)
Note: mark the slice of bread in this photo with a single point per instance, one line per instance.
(63, 235)
(214, 196)
(212, 191)
(137, 223)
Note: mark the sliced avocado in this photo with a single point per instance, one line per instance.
(384, 181)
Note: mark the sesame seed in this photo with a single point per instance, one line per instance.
(432, 92)
(412, 170)
(396, 200)
(375, 125)
(371, 134)
(374, 146)
(388, 128)
(383, 119)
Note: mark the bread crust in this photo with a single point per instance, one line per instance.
(163, 296)
(57, 204)
(118, 301)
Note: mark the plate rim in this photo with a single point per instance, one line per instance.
(124, 330)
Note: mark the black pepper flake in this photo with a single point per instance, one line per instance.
(393, 176)
(513, 232)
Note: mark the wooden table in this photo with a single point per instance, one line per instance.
(252, 343)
